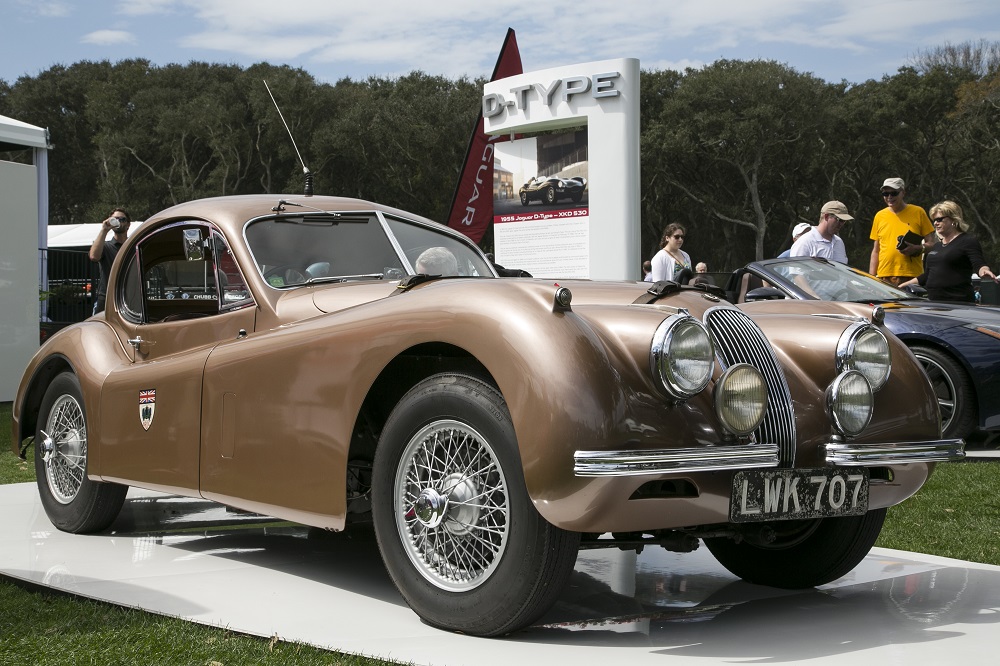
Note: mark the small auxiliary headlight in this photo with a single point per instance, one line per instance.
(741, 399)
(851, 402)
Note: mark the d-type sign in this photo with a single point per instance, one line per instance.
(598, 85)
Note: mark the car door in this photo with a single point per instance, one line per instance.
(175, 304)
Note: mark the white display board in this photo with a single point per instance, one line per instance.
(19, 288)
(602, 97)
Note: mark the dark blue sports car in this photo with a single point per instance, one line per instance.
(958, 344)
(550, 189)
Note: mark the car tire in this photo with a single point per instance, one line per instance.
(72, 501)
(804, 553)
(477, 559)
(955, 393)
(550, 195)
(524, 198)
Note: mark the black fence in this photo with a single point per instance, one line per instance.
(70, 289)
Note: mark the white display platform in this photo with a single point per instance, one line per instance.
(194, 560)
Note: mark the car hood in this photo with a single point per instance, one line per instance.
(306, 302)
(943, 315)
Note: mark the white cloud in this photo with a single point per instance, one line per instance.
(108, 37)
(145, 7)
(850, 39)
(49, 9)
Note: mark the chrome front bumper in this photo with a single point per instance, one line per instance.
(662, 461)
(894, 453)
(755, 456)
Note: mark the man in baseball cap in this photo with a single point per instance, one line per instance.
(797, 232)
(892, 261)
(822, 240)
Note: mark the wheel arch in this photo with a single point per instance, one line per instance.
(922, 340)
(914, 343)
(34, 391)
(403, 372)
(936, 344)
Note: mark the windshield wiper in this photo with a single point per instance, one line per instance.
(345, 278)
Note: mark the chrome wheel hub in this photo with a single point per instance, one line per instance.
(453, 515)
(64, 449)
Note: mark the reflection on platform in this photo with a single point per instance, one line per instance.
(198, 560)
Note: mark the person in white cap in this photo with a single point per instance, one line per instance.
(894, 261)
(822, 240)
(797, 231)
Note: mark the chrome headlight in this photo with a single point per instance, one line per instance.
(681, 356)
(863, 347)
(741, 399)
(850, 401)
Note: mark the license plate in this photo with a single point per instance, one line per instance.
(792, 494)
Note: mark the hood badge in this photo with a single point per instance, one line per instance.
(147, 406)
(710, 297)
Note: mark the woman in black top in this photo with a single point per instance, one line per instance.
(949, 263)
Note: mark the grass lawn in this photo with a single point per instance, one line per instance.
(956, 514)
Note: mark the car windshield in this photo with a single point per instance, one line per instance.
(832, 281)
(305, 249)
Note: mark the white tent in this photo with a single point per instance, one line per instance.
(79, 235)
(20, 135)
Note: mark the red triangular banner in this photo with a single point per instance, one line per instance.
(472, 206)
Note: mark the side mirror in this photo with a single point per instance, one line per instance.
(915, 290)
(194, 247)
(764, 294)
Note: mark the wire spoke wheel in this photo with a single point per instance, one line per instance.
(457, 531)
(72, 501)
(452, 505)
(64, 449)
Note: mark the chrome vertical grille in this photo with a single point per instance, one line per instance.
(738, 340)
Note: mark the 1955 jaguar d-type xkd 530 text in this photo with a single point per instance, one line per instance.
(324, 360)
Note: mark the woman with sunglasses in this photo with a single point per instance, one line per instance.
(893, 261)
(671, 259)
(951, 261)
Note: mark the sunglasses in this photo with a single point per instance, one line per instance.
(678, 236)
(890, 193)
(943, 217)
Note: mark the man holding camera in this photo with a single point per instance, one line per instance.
(104, 252)
(895, 259)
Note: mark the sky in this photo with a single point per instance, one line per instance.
(836, 40)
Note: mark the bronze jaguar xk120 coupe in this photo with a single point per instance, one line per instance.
(327, 360)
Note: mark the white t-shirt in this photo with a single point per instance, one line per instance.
(665, 266)
(812, 244)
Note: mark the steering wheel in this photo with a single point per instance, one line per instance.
(286, 273)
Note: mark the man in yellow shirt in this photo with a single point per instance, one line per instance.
(893, 261)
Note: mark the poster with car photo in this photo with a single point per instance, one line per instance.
(541, 204)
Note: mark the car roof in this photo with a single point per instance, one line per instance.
(232, 212)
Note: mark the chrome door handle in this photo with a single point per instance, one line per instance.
(136, 341)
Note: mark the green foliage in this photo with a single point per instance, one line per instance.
(738, 151)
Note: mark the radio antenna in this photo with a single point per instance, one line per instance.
(308, 189)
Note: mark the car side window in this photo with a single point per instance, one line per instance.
(181, 272)
(232, 286)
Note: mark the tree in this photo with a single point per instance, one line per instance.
(734, 142)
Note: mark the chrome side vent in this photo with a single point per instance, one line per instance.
(738, 340)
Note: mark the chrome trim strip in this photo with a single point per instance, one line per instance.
(662, 461)
(739, 340)
(894, 453)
